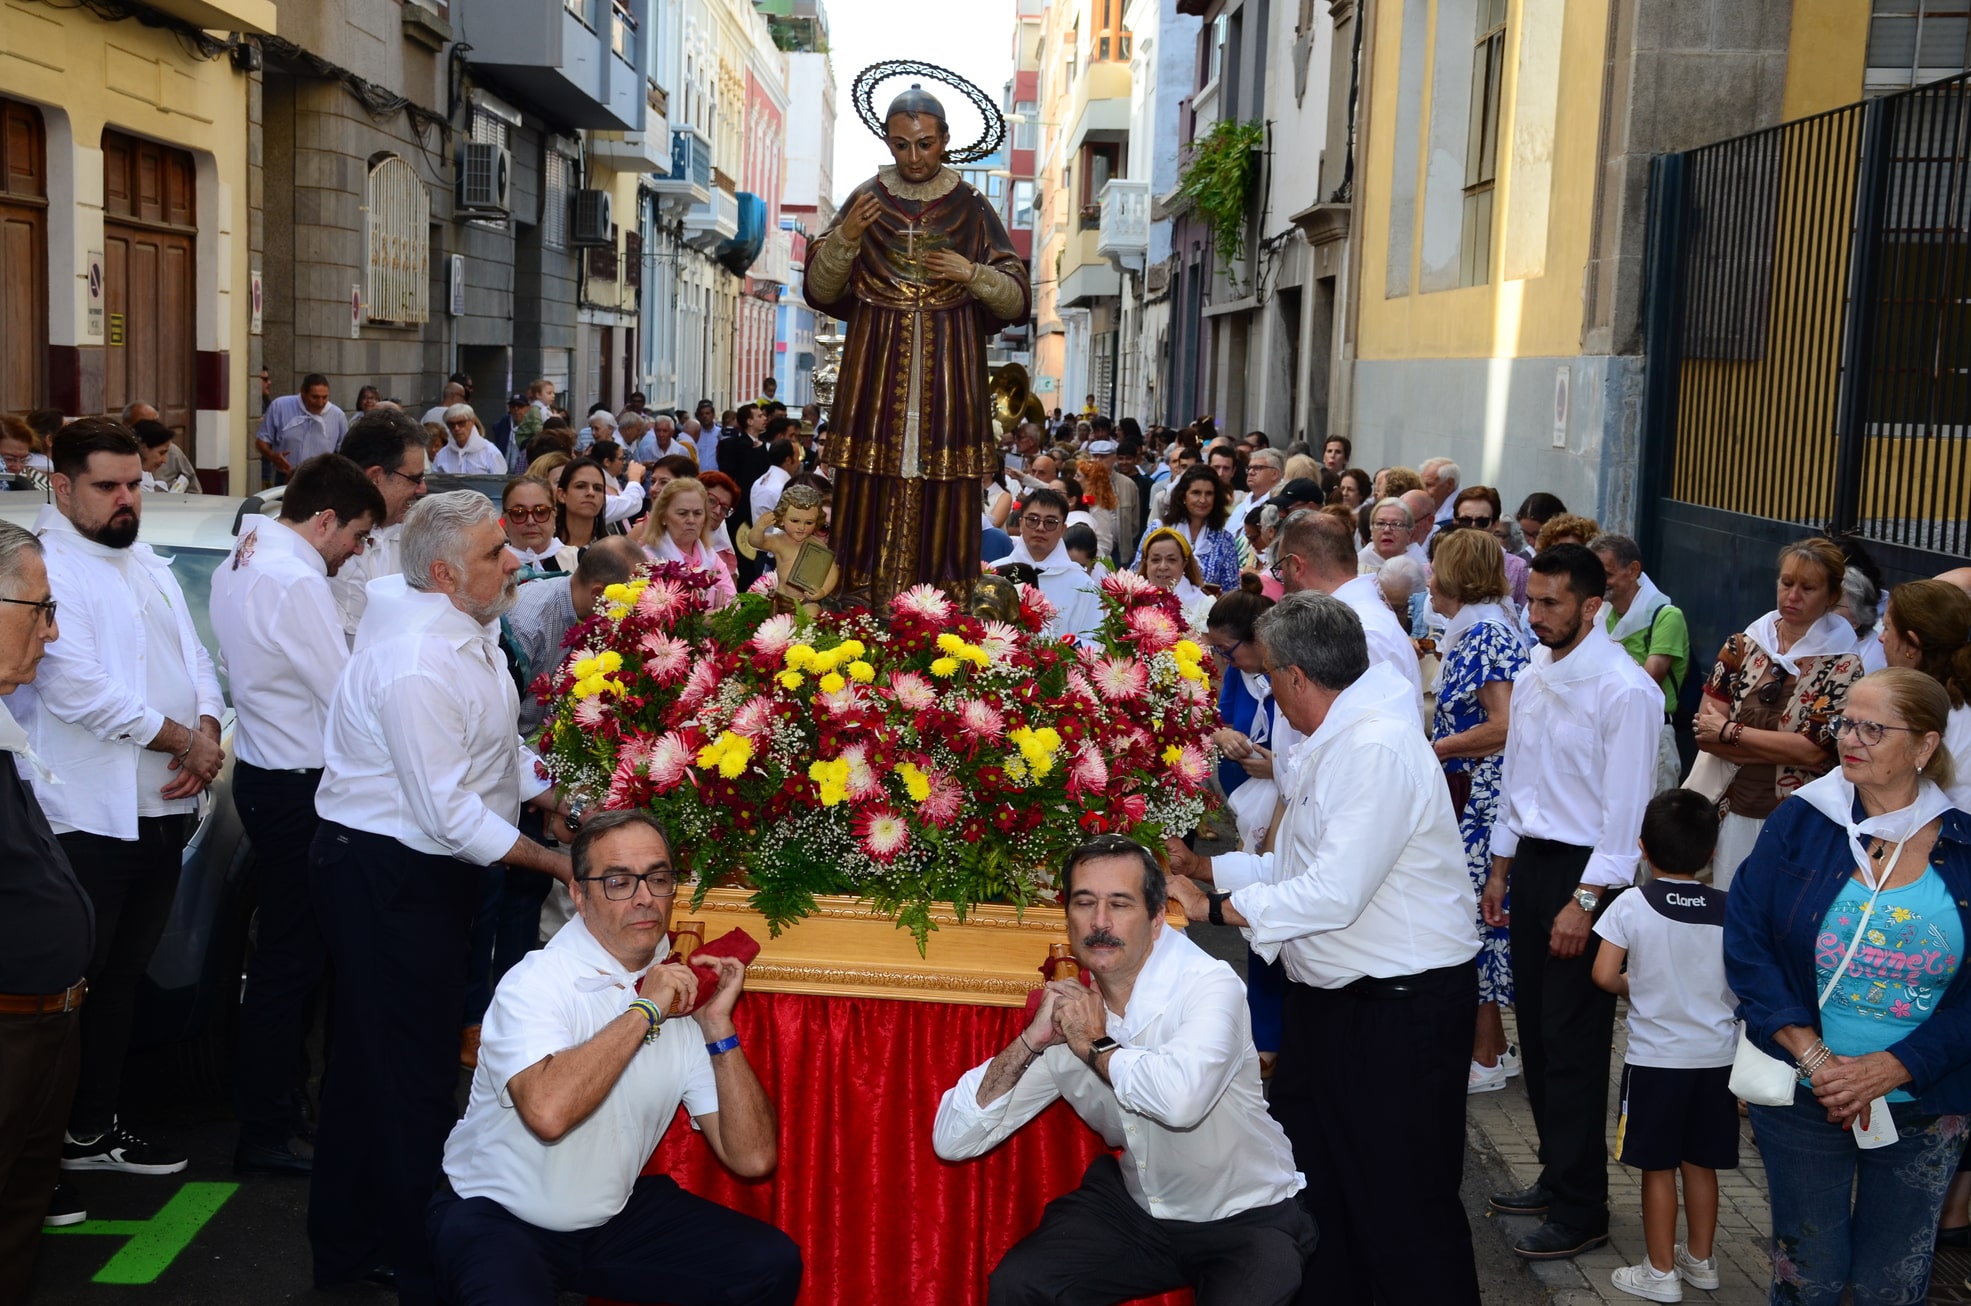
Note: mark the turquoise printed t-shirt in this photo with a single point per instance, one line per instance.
(1914, 944)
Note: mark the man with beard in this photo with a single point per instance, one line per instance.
(424, 777)
(1158, 1058)
(125, 715)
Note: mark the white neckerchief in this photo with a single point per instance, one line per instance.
(701, 557)
(1187, 593)
(1467, 616)
(608, 973)
(13, 739)
(1831, 634)
(1833, 796)
(1261, 690)
(1642, 610)
(1053, 564)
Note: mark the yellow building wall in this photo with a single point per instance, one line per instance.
(1826, 56)
(1534, 317)
(87, 75)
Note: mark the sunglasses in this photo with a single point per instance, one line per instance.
(1482, 523)
(1040, 523)
(531, 514)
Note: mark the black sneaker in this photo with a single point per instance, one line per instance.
(1557, 1242)
(1521, 1201)
(119, 1149)
(64, 1208)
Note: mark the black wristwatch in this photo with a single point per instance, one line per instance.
(1215, 907)
(1098, 1047)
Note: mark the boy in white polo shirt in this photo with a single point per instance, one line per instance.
(1677, 1106)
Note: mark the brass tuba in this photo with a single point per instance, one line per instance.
(1013, 400)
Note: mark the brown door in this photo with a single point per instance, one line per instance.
(23, 258)
(149, 230)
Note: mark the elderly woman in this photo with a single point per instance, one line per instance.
(528, 512)
(1167, 563)
(1482, 654)
(1353, 490)
(675, 532)
(1197, 510)
(1844, 932)
(467, 451)
(1478, 508)
(1390, 524)
(1765, 720)
(1858, 607)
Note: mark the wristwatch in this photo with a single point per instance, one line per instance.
(1098, 1047)
(1587, 900)
(1215, 906)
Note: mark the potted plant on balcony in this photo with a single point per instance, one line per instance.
(1219, 180)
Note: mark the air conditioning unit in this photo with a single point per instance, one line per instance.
(485, 181)
(593, 224)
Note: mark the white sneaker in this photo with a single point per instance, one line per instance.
(1509, 1059)
(1642, 1281)
(1698, 1274)
(1487, 1079)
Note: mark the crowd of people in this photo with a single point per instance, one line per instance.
(1498, 692)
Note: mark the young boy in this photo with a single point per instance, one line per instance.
(1677, 1107)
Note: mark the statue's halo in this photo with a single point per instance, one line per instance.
(863, 95)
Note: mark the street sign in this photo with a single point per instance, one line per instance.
(256, 298)
(95, 292)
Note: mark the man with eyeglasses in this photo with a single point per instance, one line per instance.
(1064, 582)
(390, 449)
(589, 1047)
(1652, 630)
(282, 642)
(125, 714)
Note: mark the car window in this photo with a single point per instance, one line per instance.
(194, 568)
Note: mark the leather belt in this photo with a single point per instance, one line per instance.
(28, 1004)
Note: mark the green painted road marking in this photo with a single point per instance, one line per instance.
(156, 1242)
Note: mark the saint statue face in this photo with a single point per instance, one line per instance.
(917, 142)
(799, 523)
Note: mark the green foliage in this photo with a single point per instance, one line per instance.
(1219, 181)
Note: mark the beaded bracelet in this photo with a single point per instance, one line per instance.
(651, 1013)
(1814, 1059)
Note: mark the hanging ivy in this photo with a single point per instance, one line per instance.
(1219, 181)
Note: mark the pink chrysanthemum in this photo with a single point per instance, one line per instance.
(1035, 610)
(1125, 585)
(666, 660)
(862, 776)
(1191, 766)
(1078, 687)
(913, 692)
(702, 684)
(663, 600)
(981, 720)
(590, 713)
(1153, 629)
(1088, 774)
(945, 801)
(1120, 680)
(925, 601)
(774, 636)
(754, 719)
(766, 584)
(1132, 808)
(883, 833)
(1000, 639)
(670, 761)
(636, 750)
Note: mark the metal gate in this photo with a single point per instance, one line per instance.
(1808, 330)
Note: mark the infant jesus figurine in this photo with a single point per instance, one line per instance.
(803, 566)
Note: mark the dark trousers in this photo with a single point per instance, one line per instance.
(1566, 1028)
(1096, 1246)
(395, 922)
(665, 1245)
(39, 1058)
(284, 978)
(1370, 1088)
(131, 883)
(507, 925)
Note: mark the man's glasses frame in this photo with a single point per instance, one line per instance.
(1040, 523)
(47, 607)
(626, 888)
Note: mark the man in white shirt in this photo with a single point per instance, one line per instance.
(1077, 599)
(1157, 1057)
(1440, 481)
(662, 440)
(578, 1079)
(125, 713)
(1264, 472)
(1366, 901)
(467, 452)
(281, 642)
(449, 398)
(1316, 552)
(783, 465)
(390, 449)
(1579, 766)
(424, 774)
(299, 426)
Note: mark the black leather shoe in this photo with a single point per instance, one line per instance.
(1557, 1242)
(256, 1158)
(1521, 1201)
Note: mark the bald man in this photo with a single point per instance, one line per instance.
(1960, 577)
(1423, 512)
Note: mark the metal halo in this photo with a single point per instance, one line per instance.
(863, 95)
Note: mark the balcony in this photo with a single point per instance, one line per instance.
(641, 152)
(254, 17)
(712, 223)
(776, 260)
(689, 183)
(1123, 237)
(575, 60)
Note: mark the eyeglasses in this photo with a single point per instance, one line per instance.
(622, 888)
(1040, 523)
(1482, 523)
(466, 422)
(414, 480)
(47, 607)
(1391, 525)
(542, 513)
(1869, 732)
(1229, 653)
(718, 508)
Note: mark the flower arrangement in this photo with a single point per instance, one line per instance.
(927, 757)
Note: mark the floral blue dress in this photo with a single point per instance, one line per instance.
(1217, 554)
(1488, 652)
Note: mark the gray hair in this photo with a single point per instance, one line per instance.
(1621, 549)
(434, 531)
(1862, 595)
(1405, 571)
(665, 419)
(1409, 518)
(1515, 537)
(1443, 469)
(629, 417)
(129, 413)
(1267, 458)
(1269, 514)
(16, 542)
(1319, 634)
(460, 413)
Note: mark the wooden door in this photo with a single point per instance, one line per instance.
(149, 234)
(23, 258)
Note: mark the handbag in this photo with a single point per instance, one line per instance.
(1765, 1080)
(1711, 775)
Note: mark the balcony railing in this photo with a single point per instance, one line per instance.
(1124, 235)
(712, 223)
(690, 182)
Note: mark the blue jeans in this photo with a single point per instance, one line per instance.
(1831, 1232)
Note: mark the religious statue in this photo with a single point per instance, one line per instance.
(919, 268)
(804, 567)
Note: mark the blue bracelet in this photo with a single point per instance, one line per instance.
(726, 1044)
(651, 1013)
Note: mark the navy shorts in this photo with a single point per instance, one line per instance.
(1677, 1117)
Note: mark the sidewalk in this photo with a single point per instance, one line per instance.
(1501, 1124)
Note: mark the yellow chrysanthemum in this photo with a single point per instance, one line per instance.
(915, 782)
(609, 661)
(1016, 768)
(729, 753)
(945, 668)
(853, 648)
(832, 776)
(790, 679)
(1171, 754)
(1185, 650)
(800, 657)
(861, 672)
(833, 683)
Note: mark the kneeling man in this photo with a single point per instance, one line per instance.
(579, 1075)
(1158, 1058)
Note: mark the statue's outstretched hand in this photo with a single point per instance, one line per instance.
(949, 266)
(861, 215)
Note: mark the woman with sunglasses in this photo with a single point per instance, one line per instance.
(1844, 936)
(1479, 508)
(527, 512)
(1765, 721)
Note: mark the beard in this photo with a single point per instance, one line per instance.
(488, 613)
(119, 532)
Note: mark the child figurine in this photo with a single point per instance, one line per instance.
(797, 516)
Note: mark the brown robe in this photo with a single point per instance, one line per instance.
(910, 432)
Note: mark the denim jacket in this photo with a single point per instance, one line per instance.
(1773, 916)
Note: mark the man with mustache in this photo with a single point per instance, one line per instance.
(424, 774)
(1158, 1058)
(125, 715)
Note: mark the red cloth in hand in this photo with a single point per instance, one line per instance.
(1034, 998)
(734, 943)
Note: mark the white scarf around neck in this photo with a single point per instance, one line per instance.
(1831, 634)
(1833, 796)
(1642, 610)
(605, 971)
